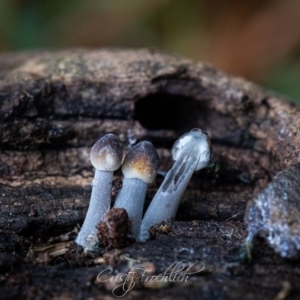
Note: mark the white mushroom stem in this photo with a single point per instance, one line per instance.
(191, 152)
(165, 203)
(99, 205)
(139, 168)
(106, 156)
(131, 198)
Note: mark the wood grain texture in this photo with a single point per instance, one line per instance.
(55, 105)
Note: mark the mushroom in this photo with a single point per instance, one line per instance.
(106, 156)
(140, 167)
(191, 152)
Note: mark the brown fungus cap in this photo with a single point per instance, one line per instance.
(107, 153)
(142, 162)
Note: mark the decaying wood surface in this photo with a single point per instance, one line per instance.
(55, 105)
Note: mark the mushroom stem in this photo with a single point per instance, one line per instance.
(191, 152)
(165, 203)
(131, 198)
(99, 204)
(106, 156)
(139, 168)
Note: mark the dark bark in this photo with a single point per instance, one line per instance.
(55, 105)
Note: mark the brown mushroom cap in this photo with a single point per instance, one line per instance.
(142, 162)
(107, 153)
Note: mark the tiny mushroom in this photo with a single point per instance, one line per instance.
(191, 152)
(140, 167)
(106, 156)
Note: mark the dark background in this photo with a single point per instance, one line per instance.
(256, 39)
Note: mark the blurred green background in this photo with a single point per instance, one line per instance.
(256, 39)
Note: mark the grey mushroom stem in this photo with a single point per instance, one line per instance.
(139, 168)
(99, 205)
(106, 156)
(131, 198)
(191, 152)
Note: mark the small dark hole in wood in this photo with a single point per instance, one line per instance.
(163, 111)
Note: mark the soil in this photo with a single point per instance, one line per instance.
(55, 105)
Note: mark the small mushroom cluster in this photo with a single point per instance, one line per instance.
(191, 152)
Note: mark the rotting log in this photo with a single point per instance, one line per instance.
(55, 105)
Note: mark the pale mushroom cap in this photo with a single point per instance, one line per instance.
(196, 138)
(107, 153)
(142, 162)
